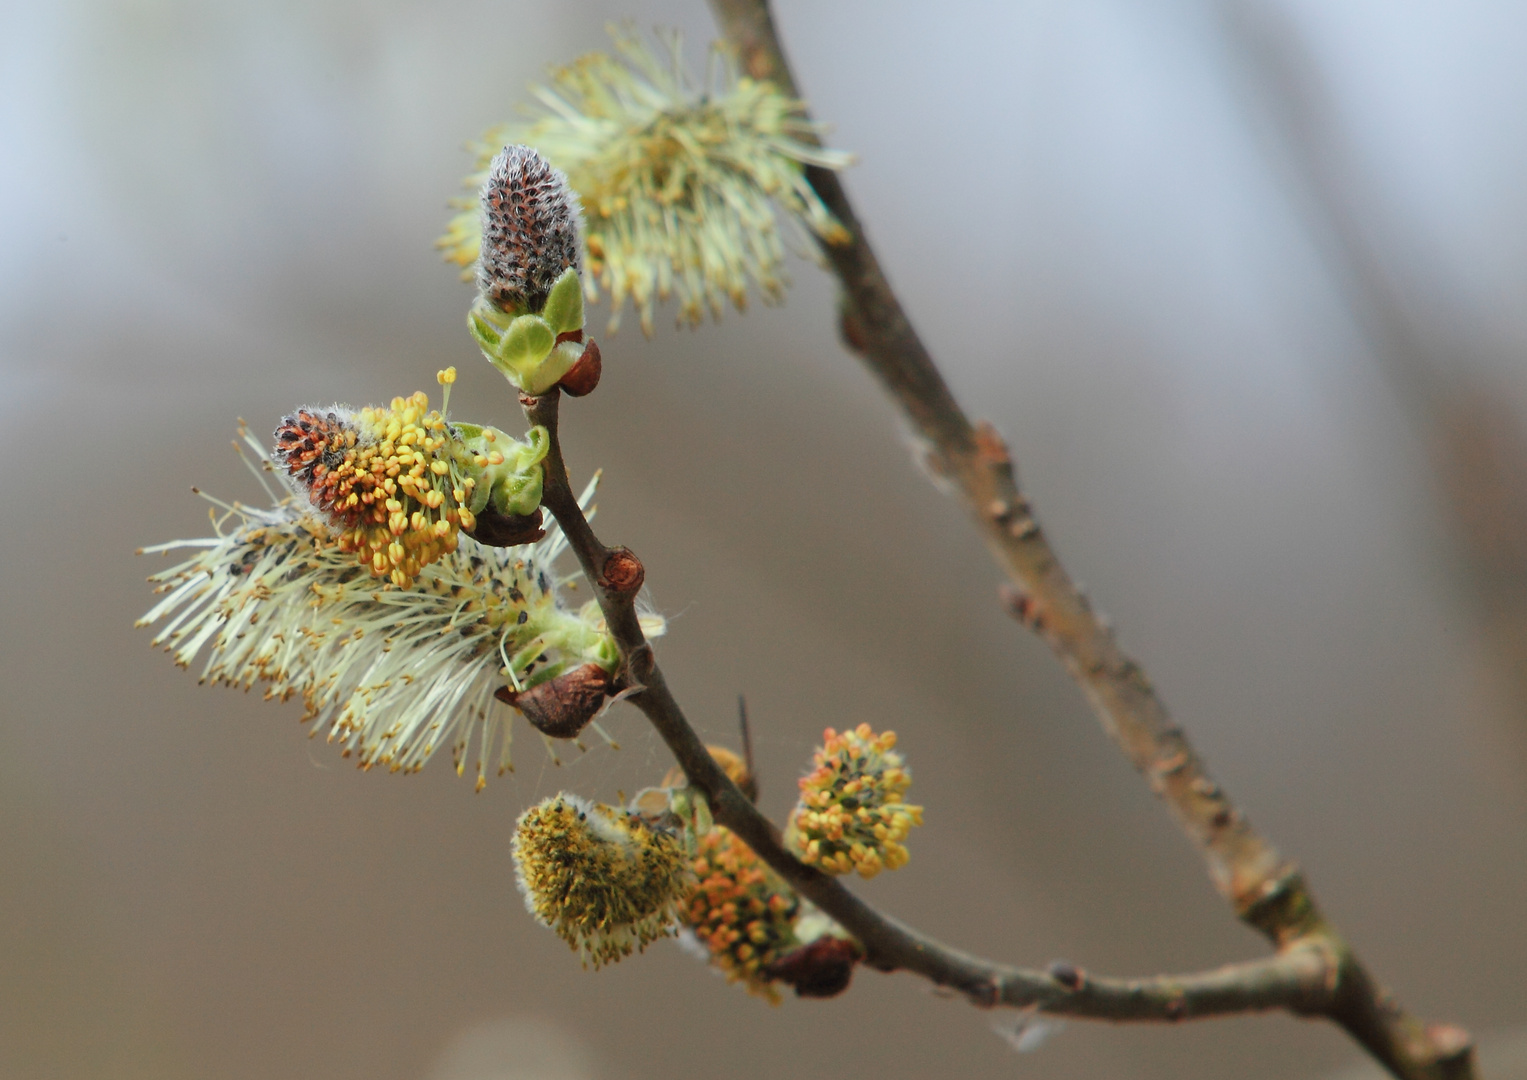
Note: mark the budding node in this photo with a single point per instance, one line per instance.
(623, 571)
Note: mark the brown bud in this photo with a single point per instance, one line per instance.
(1067, 974)
(1450, 1040)
(583, 376)
(622, 571)
(821, 969)
(561, 707)
(851, 328)
(990, 448)
(1021, 606)
(506, 530)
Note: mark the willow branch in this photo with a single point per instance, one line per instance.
(1300, 979)
(1266, 890)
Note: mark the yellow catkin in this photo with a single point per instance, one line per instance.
(605, 881)
(851, 817)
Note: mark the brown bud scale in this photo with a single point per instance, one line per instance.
(623, 571)
(821, 969)
(561, 707)
(506, 530)
(583, 376)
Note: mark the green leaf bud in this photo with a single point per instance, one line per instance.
(564, 305)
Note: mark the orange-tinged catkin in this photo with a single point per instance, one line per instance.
(385, 477)
(851, 816)
(740, 911)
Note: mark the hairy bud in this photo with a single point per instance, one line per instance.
(530, 231)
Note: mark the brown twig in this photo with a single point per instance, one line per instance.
(1266, 890)
(1302, 978)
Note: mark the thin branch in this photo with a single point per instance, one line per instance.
(1265, 889)
(1300, 979)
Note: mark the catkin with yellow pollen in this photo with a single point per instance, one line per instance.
(398, 483)
(603, 879)
(390, 675)
(851, 817)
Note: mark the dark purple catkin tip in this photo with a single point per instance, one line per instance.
(530, 230)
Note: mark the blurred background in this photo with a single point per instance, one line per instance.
(1242, 282)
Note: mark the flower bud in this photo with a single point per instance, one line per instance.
(530, 232)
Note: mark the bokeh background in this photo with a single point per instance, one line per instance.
(1242, 282)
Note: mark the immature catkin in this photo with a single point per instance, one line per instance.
(530, 230)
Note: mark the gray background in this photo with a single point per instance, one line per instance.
(219, 210)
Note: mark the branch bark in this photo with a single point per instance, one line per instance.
(1302, 978)
(1265, 889)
